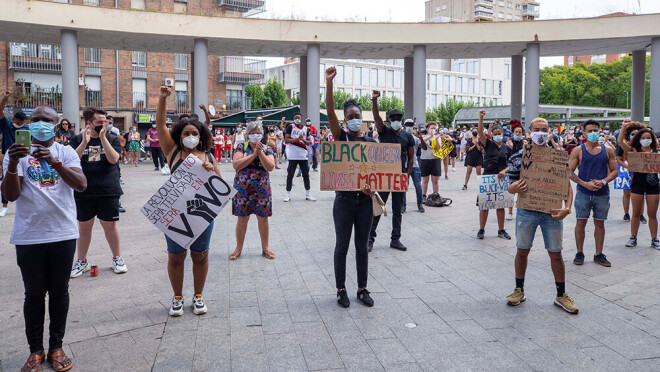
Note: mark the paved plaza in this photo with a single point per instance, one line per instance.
(438, 306)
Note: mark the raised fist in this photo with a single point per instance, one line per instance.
(330, 73)
(165, 91)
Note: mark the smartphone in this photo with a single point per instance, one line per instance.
(24, 138)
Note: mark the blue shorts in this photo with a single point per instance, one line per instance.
(552, 229)
(202, 244)
(585, 203)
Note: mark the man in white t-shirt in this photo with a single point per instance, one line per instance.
(41, 181)
(297, 138)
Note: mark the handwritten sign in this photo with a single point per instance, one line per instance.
(546, 173)
(622, 181)
(349, 166)
(493, 192)
(444, 149)
(643, 162)
(188, 201)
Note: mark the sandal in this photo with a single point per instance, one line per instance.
(34, 362)
(234, 256)
(268, 254)
(60, 361)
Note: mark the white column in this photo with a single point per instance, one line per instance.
(654, 102)
(200, 76)
(516, 86)
(638, 85)
(313, 84)
(303, 86)
(408, 88)
(70, 96)
(419, 83)
(532, 83)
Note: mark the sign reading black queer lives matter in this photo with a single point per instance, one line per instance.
(188, 202)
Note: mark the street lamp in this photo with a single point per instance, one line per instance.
(627, 99)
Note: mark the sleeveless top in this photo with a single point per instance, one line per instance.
(173, 167)
(593, 167)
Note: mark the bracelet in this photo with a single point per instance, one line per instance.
(57, 165)
(10, 172)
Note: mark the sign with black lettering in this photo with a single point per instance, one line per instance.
(643, 162)
(493, 192)
(188, 201)
(545, 171)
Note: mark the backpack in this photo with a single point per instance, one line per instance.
(435, 200)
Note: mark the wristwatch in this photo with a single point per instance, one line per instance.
(604, 182)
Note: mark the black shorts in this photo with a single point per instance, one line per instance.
(430, 167)
(106, 208)
(644, 189)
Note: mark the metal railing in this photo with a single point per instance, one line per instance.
(93, 98)
(488, 3)
(237, 104)
(247, 7)
(40, 57)
(241, 70)
(181, 102)
(35, 96)
(140, 102)
(139, 64)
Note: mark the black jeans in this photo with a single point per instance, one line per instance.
(291, 169)
(45, 269)
(352, 210)
(157, 155)
(397, 202)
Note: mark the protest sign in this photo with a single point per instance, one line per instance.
(188, 201)
(622, 181)
(445, 148)
(349, 166)
(493, 192)
(545, 171)
(643, 162)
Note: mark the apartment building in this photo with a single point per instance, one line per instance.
(125, 83)
(481, 10)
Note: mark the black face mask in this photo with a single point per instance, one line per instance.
(474, 134)
(98, 129)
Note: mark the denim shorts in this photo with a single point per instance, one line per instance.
(202, 244)
(552, 229)
(585, 203)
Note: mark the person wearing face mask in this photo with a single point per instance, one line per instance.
(463, 136)
(393, 133)
(430, 166)
(133, 146)
(297, 138)
(8, 130)
(643, 186)
(516, 143)
(496, 154)
(527, 222)
(416, 173)
(219, 142)
(99, 152)
(239, 137)
(474, 158)
(188, 137)
(632, 128)
(571, 141)
(455, 139)
(229, 137)
(596, 165)
(42, 180)
(156, 152)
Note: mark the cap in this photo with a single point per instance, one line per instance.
(394, 112)
(409, 121)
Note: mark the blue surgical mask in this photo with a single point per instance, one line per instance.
(631, 137)
(152, 125)
(109, 127)
(554, 133)
(239, 130)
(593, 137)
(354, 125)
(396, 124)
(42, 130)
(517, 138)
(498, 138)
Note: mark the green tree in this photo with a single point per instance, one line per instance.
(257, 94)
(296, 99)
(274, 94)
(445, 113)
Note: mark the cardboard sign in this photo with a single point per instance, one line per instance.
(643, 162)
(545, 171)
(622, 181)
(349, 166)
(188, 201)
(493, 192)
(444, 149)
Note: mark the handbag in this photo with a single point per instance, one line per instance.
(378, 205)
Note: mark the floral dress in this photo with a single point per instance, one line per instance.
(253, 185)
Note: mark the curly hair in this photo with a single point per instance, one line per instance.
(638, 146)
(635, 125)
(205, 137)
(351, 102)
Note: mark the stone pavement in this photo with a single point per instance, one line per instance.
(282, 315)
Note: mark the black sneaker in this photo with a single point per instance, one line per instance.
(579, 258)
(299, 175)
(420, 208)
(423, 198)
(156, 169)
(396, 244)
(342, 298)
(643, 220)
(602, 260)
(464, 187)
(480, 234)
(632, 242)
(403, 209)
(502, 234)
(363, 296)
(370, 246)
(626, 217)
(446, 177)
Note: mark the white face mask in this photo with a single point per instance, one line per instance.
(539, 138)
(646, 142)
(255, 137)
(396, 124)
(296, 121)
(190, 142)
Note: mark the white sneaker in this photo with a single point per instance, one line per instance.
(509, 217)
(310, 197)
(287, 197)
(3, 211)
(198, 305)
(453, 169)
(79, 268)
(118, 265)
(177, 306)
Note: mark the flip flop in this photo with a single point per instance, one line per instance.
(60, 361)
(268, 254)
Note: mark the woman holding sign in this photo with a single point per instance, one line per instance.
(188, 137)
(352, 209)
(643, 184)
(473, 156)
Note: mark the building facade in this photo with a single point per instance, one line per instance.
(125, 83)
(481, 10)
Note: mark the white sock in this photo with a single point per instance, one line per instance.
(308, 193)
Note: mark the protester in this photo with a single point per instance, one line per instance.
(416, 172)
(445, 137)
(154, 145)
(280, 143)
(64, 132)
(99, 152)
(229, 137)
(8, 131)
(239, 138)
(188, 137)
(474, 158)
(597, 166)
(393, 134)
(496, 155)
(528, 221)
(643, 185)
(456, 140)
(352, 210)
(219, 142)
(571, 141)
(430, 165)
(297, 138)
(631, 130)
(42, 184)
(464, 138)
(253, 162)
(515, 142)
(134, 145)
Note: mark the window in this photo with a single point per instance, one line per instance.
(91, 2)
(428, 82)
(471, 86)
(390, 78)
(180, 61)
(397, 79)
(517, 18)
(358, 75)
(365, 77)
(358, 93)
(434, 82)
(460, 84)
(489, 87)
(381, 78)
(452, 84)
(444, 7)
(234, 99)
(501, 3)
(507, 71)
(180, 6)
(434, 100)
(348, 75)
(339, 79)
(322, 74)
(464, 85)
(139, 93)
(483, 86)
(518, 6)
(138, 4)
(92, 55)
(499, 88)
(509, 5)
(139, 59)
(374, 77)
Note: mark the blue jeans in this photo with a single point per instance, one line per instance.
(416, 176)
(552, 229)
(584, 203)
(201, 244)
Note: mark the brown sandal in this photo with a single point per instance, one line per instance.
(34, 362)
(60, 361)
(268, 254)
(234, 256)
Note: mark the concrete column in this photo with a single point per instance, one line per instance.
(419, 83)
(313, 84)
(532, 83)
(516, 86)
(70, 96)
(303, 86)
(200, 76)
(408, 88)
(638, 85)
(654, 102)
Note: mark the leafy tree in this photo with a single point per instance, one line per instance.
(445, 113)
(274, 94)
(296, 99)
(257, 95)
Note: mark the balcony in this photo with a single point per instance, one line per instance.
(246, 7)
(35, 57)
(139, 64)
(483, 16)
(181, 102)
(237, 104)
(486, 3)
(240, 70)
(531, 10)
(93, 98)
(140, 102)
(31, 96)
